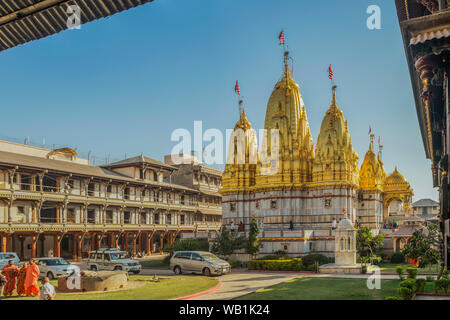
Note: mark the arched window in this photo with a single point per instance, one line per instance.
(349, 244)
(342, 243)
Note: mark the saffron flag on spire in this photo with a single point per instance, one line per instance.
(237, 89)
(281, 37)
(379, 140)
(344, 211)
(330, 72)
(370, 129)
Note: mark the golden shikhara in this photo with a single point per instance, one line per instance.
(286, 113)
(372, 174)
(333, 163)
(336, 162)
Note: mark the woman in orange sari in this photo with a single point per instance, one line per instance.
(21, 279)
(10, 271)
(31, 280)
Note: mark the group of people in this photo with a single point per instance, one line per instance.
(392, 225)
(25, 281)
(241, 227)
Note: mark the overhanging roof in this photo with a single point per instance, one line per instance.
(22, 21)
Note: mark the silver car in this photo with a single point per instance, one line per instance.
(6, 256)
(198, 262)
(55, 267)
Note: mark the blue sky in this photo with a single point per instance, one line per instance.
(121, 85)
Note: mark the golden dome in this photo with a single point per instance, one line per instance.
(335, 159)
(286, 113)
(396, 179)
(372, 175)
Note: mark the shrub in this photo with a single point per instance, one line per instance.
(234, 263)
(364, 269)
(420, 285)
(275, 256)
(311, 259)
(399, 271)
(405, 293)
(276, 265)
(430, 278)
(442, 285)
(398, 258)
(412, 272)
(376, 260)
(407, 289)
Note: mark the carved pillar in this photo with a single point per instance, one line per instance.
(75, 247)
(57, 246)
(99, 240)
(134, 243)
(3, 243)
(93, 241)
(79, 247)
(140, 242)
(33, 246)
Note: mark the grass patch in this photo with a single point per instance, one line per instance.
(167, 288)
(308, 288)
(390, 268)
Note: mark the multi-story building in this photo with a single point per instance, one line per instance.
(53, 202)
(207, 181)
(427, 209)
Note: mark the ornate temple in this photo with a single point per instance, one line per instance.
(296, 189)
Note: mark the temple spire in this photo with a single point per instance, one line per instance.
(241, 108)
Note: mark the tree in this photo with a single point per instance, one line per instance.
(226, 244)
(423, 246)
(367, 243)
(252, 245)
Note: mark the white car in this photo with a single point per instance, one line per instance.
(112, 259)
(55, 267)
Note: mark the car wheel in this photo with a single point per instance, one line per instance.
(117, 268)
(206, 272)
(50, 275)
(136, 272)
(94, 268)
(177, 270)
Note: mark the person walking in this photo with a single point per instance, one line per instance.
(21, 279)
(47, 291)
(10, 271)
(31, 284)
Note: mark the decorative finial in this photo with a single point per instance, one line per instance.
(286, 64)
(333, 100)
(371, 142)
(241, 108)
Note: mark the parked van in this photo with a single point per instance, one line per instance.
(112, 259)
(198, 262)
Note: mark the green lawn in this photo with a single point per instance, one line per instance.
(390, 268)
(167, 288)
(308, 288)
(154, 264)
